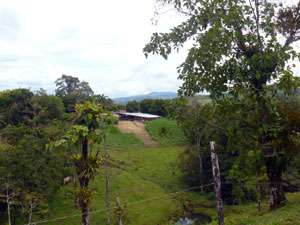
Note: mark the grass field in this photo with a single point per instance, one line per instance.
(172, 135)
(141, 174)
(248, 214)
(151, 173)
(116, 139)
(149, 183)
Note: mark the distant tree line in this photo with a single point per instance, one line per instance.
(151, 106)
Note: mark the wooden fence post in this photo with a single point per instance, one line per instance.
(120, 213)
(217, 182)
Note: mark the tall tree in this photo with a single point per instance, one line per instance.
(82, 136)
(239, 55)
(73, 91)
(66, 85)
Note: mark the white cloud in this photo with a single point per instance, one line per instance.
(100, 42)
(97, 41)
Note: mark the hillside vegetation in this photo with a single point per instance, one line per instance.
(139, 174)
(135, 175)
(166, 132)
(249, 214)
(147, 181)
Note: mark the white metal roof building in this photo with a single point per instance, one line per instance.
(137, 116)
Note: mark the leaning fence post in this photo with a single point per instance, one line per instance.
(217, 182)
(119, 211)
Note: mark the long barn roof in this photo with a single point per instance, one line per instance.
(143, 115)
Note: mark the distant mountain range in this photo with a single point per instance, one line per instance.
(152, 95)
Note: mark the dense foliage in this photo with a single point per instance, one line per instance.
(240, 55)
(31, 169)
(154, 106)
(30, 174)
(151, 106)
(132, 106)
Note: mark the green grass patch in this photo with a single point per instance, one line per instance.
(158, 165)
(130, 188)
(117, 139)
(248, 214)
(166, 132)
(142, 174)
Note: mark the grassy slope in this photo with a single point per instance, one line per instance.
(157, 165)
(129, 188)
(248, 214)
(151, 172)
(116, 139)
(145, 173)
(173, 136)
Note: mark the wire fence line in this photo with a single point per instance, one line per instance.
(128, 204)
(140, 201)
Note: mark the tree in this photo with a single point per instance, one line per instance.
(191, 120)
(8, 188)
(84, 89)
(52, 107)
(66, 85)
(16, 107)
(132, 106)
(154, 106)
(82, 136)
(199, 124)
(30, 174)
(20, 106)
(73, 91)
(145, 105)
(240, 54)
(106, 102)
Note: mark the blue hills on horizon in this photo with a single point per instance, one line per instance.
(152, 95)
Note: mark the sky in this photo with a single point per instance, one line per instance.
(99, 42)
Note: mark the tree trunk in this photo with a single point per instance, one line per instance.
(8, 213)
(8, 206)
(84, 183)
(277, 197)
(8, 200)
(85, 219)
(84, 150)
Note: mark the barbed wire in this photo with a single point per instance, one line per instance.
(127, 204)
(140, 201)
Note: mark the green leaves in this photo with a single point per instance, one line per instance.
(232, 49)
(89, 168)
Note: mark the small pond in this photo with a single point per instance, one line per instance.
(197, 219)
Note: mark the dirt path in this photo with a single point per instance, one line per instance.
(139, 130)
